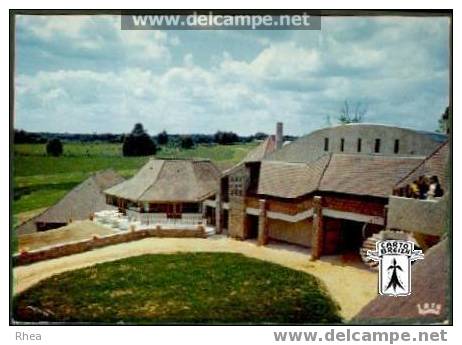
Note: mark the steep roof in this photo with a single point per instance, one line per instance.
(290, 180)
(434, 164)
(365, 174)
(85, 199)
(266, 147)
(258, 153)
(429, 285)
(341, 173)
(170, 180)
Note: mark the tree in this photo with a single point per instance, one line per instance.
(226, 138)
(444, 122)
(186, 142)
(260, 136)
(349, 115)
(162, 138)
(138, 143)
(54, 147)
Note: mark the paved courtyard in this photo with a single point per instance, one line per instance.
(351, 286)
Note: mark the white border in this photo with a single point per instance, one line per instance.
(202, 335)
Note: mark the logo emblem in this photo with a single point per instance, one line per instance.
(395, 257)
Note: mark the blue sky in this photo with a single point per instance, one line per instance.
(83, 74)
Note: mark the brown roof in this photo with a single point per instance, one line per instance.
(79, 203)
(341, 173)
(429, 285)
(290, 180)
(258, 153)
(434, 164)
(365, 174)
(170, 180)
(266, 147)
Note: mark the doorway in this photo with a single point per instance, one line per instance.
(252, 226)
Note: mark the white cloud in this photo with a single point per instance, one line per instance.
(299, 78)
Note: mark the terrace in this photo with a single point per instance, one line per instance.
(136, 220)
(427, 217)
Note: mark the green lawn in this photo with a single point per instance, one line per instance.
(40, 180)
(179, 288)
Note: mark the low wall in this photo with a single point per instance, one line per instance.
(57, 251)
(296, 233)
(422, 216)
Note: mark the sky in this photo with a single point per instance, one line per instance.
(83, 74)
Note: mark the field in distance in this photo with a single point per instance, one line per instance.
(40, 180)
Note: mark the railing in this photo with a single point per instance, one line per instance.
(161, 218)
(422, 216)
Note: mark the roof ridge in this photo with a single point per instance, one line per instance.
(329, 159)
(155, 180)
(426, 159)
(198, 182)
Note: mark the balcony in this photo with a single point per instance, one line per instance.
(422, 216)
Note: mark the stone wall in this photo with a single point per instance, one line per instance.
(427, 217)
(237, 217)
(296, 233)
(52, 252)
(312, 146)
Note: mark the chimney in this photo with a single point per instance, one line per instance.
(279, 135)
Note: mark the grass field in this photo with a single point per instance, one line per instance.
(179, 288)
(40, 180)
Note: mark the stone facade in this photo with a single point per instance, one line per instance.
(297, 233)
(426, 217)
(53, 252)
(409, 142)
(237, 217)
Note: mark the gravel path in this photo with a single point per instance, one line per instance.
(351, 287)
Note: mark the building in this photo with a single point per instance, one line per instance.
(79, 204)
(167, 189)
(328, 190)
(360, 139)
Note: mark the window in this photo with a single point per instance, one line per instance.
(359, 144)
(190, 207)
(326, 144)
(396, 146)
(342, 144)
(377, 146)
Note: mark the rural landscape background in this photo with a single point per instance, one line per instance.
(40, 180)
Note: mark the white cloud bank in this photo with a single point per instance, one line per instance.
(114, 78)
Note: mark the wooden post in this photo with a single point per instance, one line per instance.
(262, 224)
(218, 214)
(318, 229)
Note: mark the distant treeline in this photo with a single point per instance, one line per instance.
(220, 137)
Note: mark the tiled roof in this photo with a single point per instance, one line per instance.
(170, 180)
(79, 203)
(266, 147)
(290, 180)
(365, 174)
(435, 164)
(341, 173)
(258, 153)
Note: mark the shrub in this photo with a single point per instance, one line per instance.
(162, 138)
(54, 147)
(225, 138)
(138, 143)
(186, 142)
